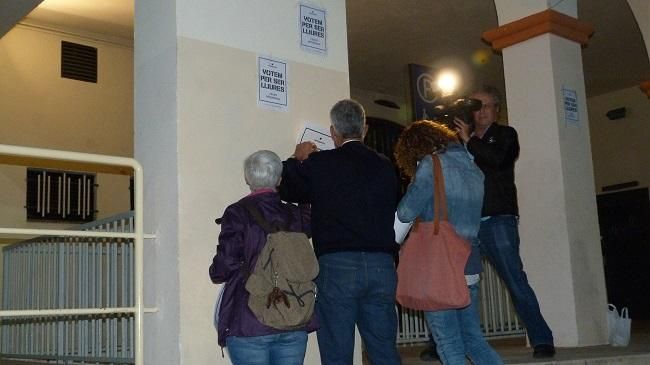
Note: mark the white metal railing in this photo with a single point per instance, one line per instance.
(64, 313)
(46, 274)
(498, 317)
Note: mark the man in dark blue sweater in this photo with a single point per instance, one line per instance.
(353, 193)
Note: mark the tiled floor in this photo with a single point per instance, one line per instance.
(515, 352)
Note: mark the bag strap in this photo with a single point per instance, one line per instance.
(439, 196)
(266, 226)
(612, 307)
(624, 313)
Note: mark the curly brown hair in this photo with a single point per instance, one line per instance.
(421, 138)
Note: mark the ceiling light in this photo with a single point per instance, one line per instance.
(447, 82)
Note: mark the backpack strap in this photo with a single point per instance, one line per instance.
(266, 226)
(286, 208)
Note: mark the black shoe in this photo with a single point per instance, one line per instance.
(543, 351)
(429, 354)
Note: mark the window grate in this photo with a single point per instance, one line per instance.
(60, 196)
(78, 62)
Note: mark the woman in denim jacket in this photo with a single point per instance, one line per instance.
(457, 332)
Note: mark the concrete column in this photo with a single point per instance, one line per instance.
(560, 240)
(196, 120)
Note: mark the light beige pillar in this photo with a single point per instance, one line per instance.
(560, 240)
(197, 118)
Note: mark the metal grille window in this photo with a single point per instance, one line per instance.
(60, 196)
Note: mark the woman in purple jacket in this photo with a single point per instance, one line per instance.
(241, 239)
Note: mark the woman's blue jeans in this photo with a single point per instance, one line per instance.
(457, 333)
(499, 236)
(357, 288)
(287, 348)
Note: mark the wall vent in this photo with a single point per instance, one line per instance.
(78, 62)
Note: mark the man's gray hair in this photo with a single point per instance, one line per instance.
(263, 169)
(489, 90)
(348, 118)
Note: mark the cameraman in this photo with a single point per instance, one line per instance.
(495, 149)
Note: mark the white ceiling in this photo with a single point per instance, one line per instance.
(384, 36)
(102, 17)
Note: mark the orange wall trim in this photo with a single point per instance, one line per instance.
(547, 21)
(645, 87)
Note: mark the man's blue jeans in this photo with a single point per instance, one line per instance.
(457, 333)
(499, 236)
(287, 348)
(357, 288)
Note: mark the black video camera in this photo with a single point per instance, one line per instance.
(462, 108)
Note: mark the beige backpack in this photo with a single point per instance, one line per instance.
(281, 286)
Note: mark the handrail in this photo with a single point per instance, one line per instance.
(138, 234)
(68, 233)
(64, 233)
(71, 312)
(100, 222)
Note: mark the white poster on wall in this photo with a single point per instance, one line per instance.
(272, 83)
(570, 99)
(313, 29)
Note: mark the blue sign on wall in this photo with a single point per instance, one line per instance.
(423, 90)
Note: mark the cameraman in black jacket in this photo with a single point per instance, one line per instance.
(495, 149)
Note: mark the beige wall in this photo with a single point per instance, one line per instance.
(196, 77)
(216, 137)
(621, 150)
(38, 108)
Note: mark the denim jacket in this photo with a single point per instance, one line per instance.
(464, 191)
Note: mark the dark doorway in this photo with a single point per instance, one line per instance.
(382, 136)
(624, 219)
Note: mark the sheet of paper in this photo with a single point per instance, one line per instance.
(317, 135)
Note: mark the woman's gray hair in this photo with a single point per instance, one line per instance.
(348, 118)
(263, 169)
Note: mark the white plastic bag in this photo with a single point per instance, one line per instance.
(619, 326)
(217, 307)
(401, 229)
